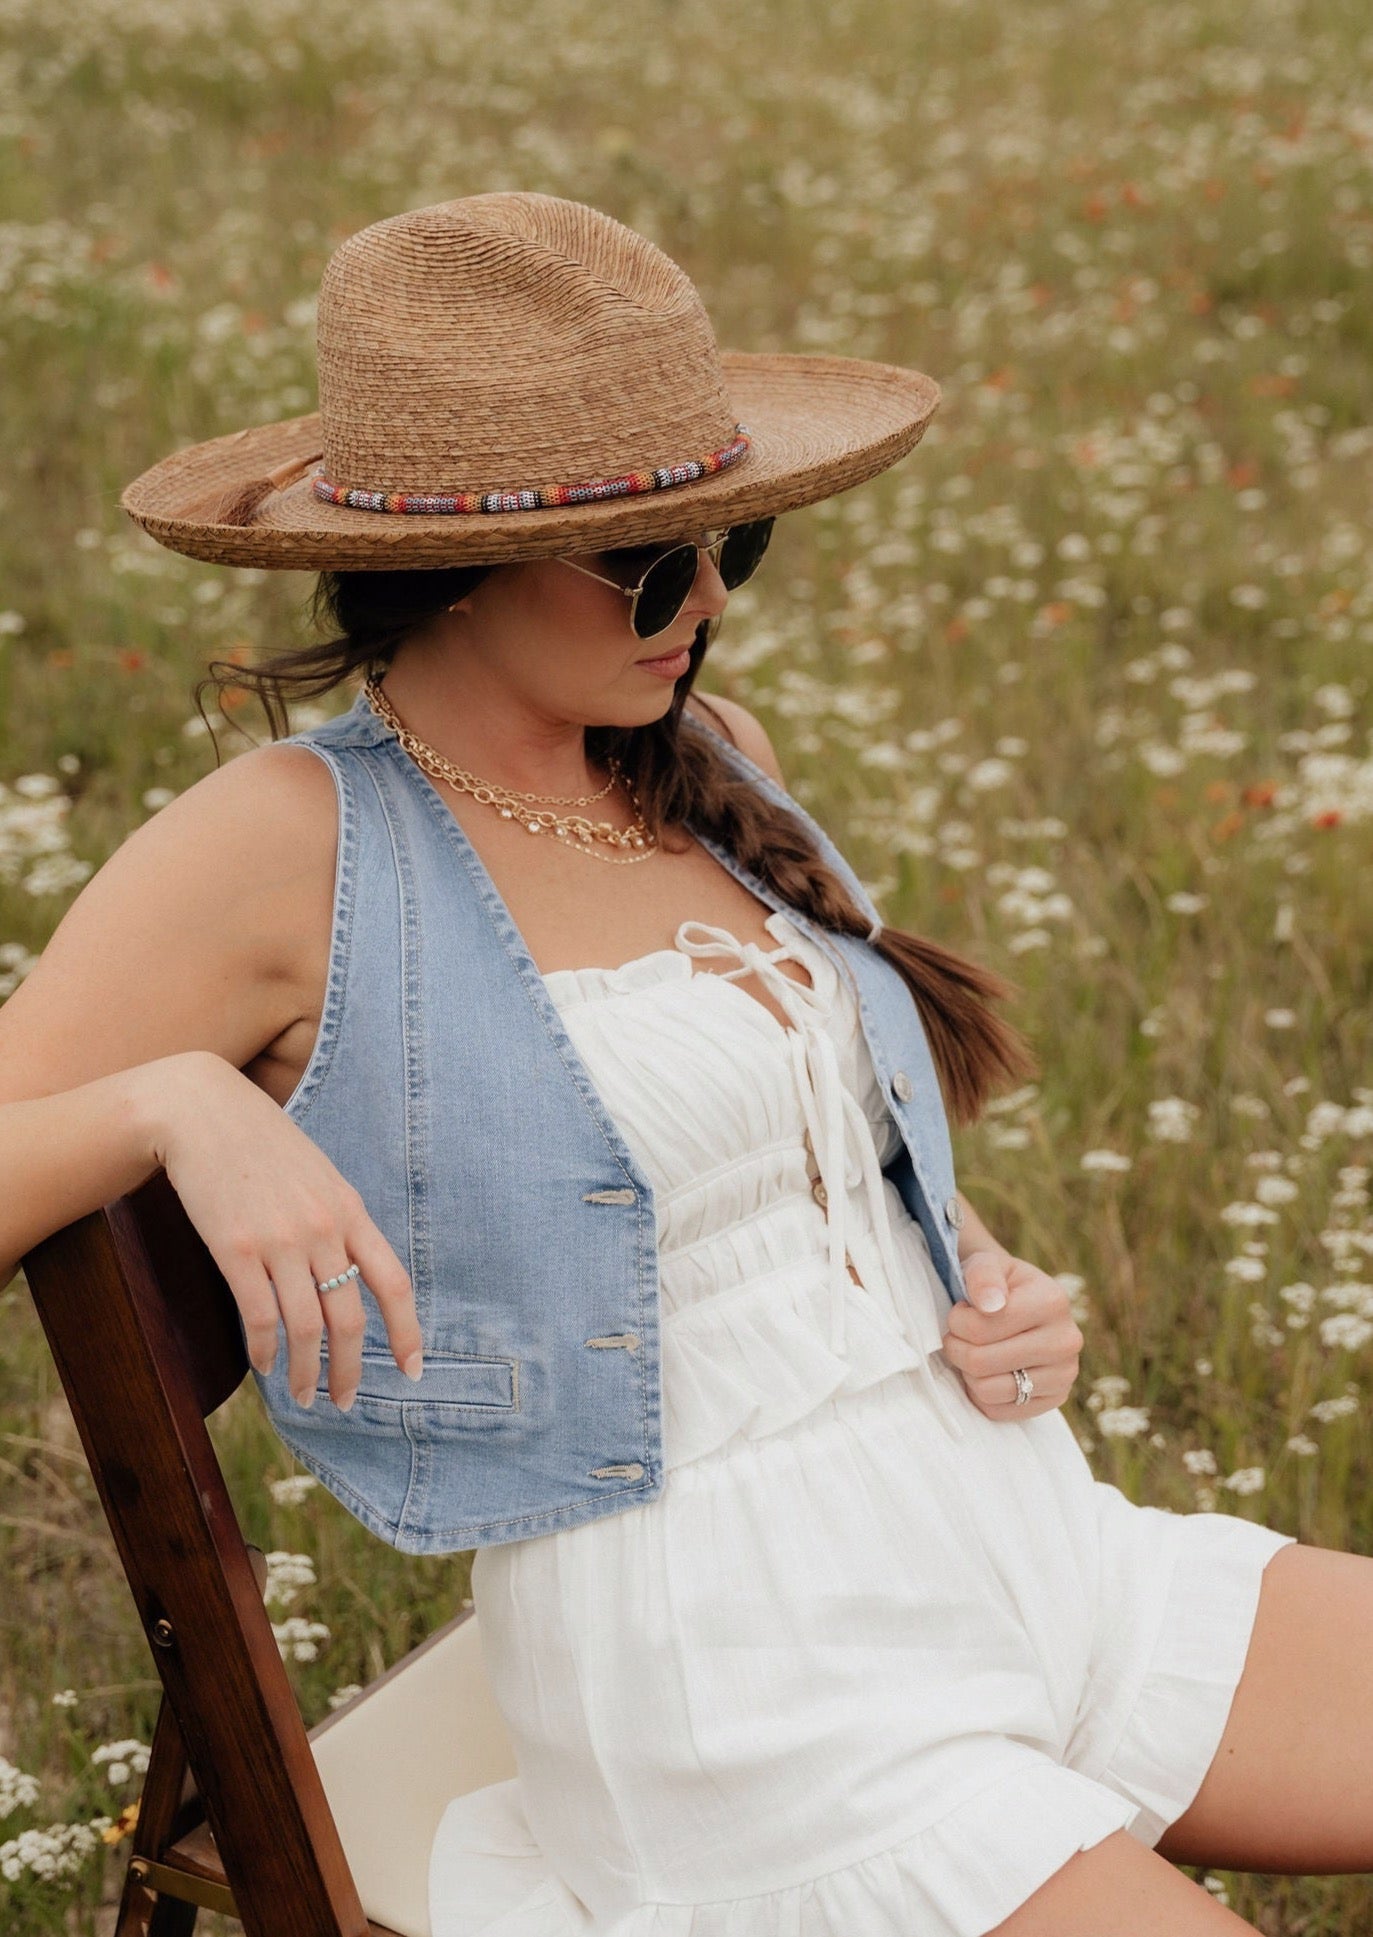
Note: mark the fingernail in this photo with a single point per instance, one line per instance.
(414, 1365)
(993, 1300)
(305, 1397)
(346, 1401)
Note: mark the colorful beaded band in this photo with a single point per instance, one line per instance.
(536, 500)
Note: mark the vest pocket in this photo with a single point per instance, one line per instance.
(459, 1379)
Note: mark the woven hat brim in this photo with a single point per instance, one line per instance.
(818, 425)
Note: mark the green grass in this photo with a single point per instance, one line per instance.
(1128, 565)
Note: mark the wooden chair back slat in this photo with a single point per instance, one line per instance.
(135, 1314)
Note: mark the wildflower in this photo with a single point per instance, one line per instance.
(1123, 1422)
(1275, 1190)
(1185, 903)
(291, 1491)
(345, 1694)
(1339, 1407)
(1346, 1330)
(299, 1640)
(1248, 1214)
(1249, 1479)
(122, 1760)
(1094, 1160)
(51, 1854)
(1171, 1120)
(17, 1791)
(1199, 1459)
(65, 1698)
(287, 1574)
(123, 1825)
(1247, 1271)
(1108, 1390)
(1280, 1018)
(1302, 1445)
(1203, 1368)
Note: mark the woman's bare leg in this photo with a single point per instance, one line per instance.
(1290, 1789)
(1118, 1888)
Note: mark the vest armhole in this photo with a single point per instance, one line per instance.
(340, 930)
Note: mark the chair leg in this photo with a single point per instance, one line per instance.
(172, 1918)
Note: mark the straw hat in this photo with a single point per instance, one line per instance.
(515, 375)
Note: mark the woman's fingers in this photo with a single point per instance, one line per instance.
(389, 1284)
(302, 1314)
(346, 1322)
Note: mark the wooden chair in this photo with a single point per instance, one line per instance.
(325, 1834)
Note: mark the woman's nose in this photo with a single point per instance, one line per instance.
(709, 588)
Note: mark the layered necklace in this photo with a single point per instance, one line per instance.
(575, 830)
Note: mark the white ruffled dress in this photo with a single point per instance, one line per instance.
(872, 1664)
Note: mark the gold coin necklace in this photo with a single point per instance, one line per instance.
(574, 830)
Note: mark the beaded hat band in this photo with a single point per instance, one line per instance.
(534, 498)
(473, 355)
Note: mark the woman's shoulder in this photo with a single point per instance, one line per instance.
(739, 726)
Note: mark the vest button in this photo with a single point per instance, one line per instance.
(901, 1086)
(953, 1210)
(819, 1193)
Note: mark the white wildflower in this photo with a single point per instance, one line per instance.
(17, 1791)
(1185, 903)
(1346, 1330)
(1302, 1445)
(1249, 1479)
(1171, 1120)
(1095, 1160)
(298, 1639)
(1123, 1422)
(291, 1491)
(1339, 1407)
(287, 1574)
(1200, 1459)
(121, 1760)
(1247, 1215)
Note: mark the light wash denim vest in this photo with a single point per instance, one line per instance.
(444, 1087)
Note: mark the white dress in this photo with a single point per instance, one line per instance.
(872, 1665)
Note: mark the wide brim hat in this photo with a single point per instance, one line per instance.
(514, 375)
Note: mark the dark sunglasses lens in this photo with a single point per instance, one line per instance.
(665, 588)
(742, 552)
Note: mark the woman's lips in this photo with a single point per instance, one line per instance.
(670, 665)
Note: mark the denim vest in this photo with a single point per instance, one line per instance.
(444, 1087)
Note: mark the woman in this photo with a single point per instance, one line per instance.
(800, 1601)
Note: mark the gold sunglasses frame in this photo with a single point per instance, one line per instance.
(714, 543)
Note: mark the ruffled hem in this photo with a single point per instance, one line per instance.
(1195, 1667)
(957, 1877)
(755, 1360)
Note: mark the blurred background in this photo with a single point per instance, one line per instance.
(1081, 686)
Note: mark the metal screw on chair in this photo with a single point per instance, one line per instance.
(162, 1632)
(138, 1867)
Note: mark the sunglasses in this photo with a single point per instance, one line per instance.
(660, 594)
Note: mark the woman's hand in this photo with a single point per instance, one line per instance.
(276, 1216)
(1034, 1329)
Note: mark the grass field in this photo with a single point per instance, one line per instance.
(1081, 686)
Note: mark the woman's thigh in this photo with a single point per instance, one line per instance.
(1120, 1888)
(1290, 1788)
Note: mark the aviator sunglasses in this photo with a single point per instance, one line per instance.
(662, 591)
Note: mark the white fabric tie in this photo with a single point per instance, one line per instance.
(832, 1111)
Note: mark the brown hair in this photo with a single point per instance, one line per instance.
(680, 778)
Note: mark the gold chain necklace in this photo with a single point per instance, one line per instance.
(574, 830)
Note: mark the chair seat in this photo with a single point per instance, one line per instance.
(391, 1760)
